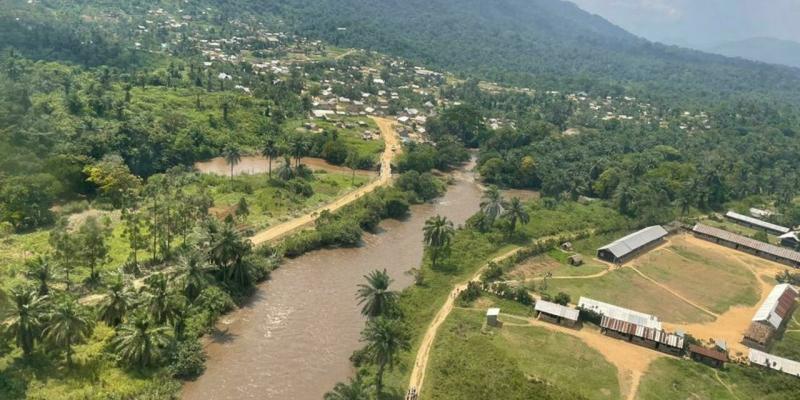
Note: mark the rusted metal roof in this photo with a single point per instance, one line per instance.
(710, 353)
(777, 305)
(766, 248)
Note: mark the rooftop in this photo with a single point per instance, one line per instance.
(710, 353)
(636, 240)
(493, 312)
(757, 222)
(619, 313)
(747, 242)
(777, 305)
(557, 310)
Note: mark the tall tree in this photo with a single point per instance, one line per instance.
(65, 249)
(159, 299)
(134, 230)
(233, 156)
(69, 324)
(375, 295)
(26, 318)
(270, 150)
(385, 339)
(492, 204)
(193, 274)
(92, 237)
(41, 271)
(438, 233)
(139, 343)
(516, 213)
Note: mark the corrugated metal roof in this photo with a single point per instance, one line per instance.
(557, 310)
(766, 248)
(710, 353)
(784, 365)
(757, 222)
(622, 247)
(777, 305)
(493, 312)
(619, 313)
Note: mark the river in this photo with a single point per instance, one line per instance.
(294, 338)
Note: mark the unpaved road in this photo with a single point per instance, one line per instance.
(421, 361)
(391, 148)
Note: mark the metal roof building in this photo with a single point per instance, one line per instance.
(756, 223)
(628, 246)
(752, 246)
(784, 365)
(777, 305)
(619, 313)
(557, 310)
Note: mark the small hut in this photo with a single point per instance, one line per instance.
(491, 316)
(575, 260)
(566, 246)
(710, 357)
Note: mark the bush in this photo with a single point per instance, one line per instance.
(188, 359)
(301, 243)
(562, 298)
(300, 187)
(397, 207)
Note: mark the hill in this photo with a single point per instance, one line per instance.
(764, 49)
(549, 43)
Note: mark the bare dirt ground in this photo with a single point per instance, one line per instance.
(392, 148)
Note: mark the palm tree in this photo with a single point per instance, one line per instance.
(70, 323)
(193, 273)
(516, 213)
(385, 339)
(233, 156)
(139, 343)
(375, 295)
(41, 271)
(298, 147)
(438, 232)
(115, 305)
(492, 204)
(270, 151)
(159, 301)
(25, 319)
(355, 389)
(285, 172)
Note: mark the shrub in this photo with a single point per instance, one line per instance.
(397, 207)
(300, 187)
(188, 359)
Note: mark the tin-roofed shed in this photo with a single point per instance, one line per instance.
(629, 246)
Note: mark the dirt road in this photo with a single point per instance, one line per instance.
(421, 361)
(392, 147)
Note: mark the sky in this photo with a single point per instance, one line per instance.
(701, 23)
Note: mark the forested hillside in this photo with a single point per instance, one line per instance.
(548, 43)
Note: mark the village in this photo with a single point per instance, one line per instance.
(684, 313)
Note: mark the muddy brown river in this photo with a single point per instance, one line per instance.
(294, 338)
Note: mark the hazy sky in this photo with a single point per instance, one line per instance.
(701, 23)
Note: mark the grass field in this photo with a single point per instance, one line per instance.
(681, 379)
(687, 265)
(554, 262)
(474, 362)
(350, 136)
(625, 288)
(269, 203)
(788, 345)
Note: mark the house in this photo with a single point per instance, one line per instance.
(710, 357)
(632, 245)
(491, 316)
(556, 313)
(566, 246)
(747, 245)
(756, 223)
(322, 113)
(575, 260)
(778, 305)
(767, 360)
(633, 326)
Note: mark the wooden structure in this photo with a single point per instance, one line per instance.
(747, 245)
(557, 314)
(710, 357)
(769, 318)
(491, 316)
(624, 249)
(756, 223)
(575, 260)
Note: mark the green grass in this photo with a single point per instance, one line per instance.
(625, 288)
(471, 361)
(270, 204)
(669, 378)
(94, 375)
(788, 344)
(350, 136)
(687, 269)
(488, 300)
